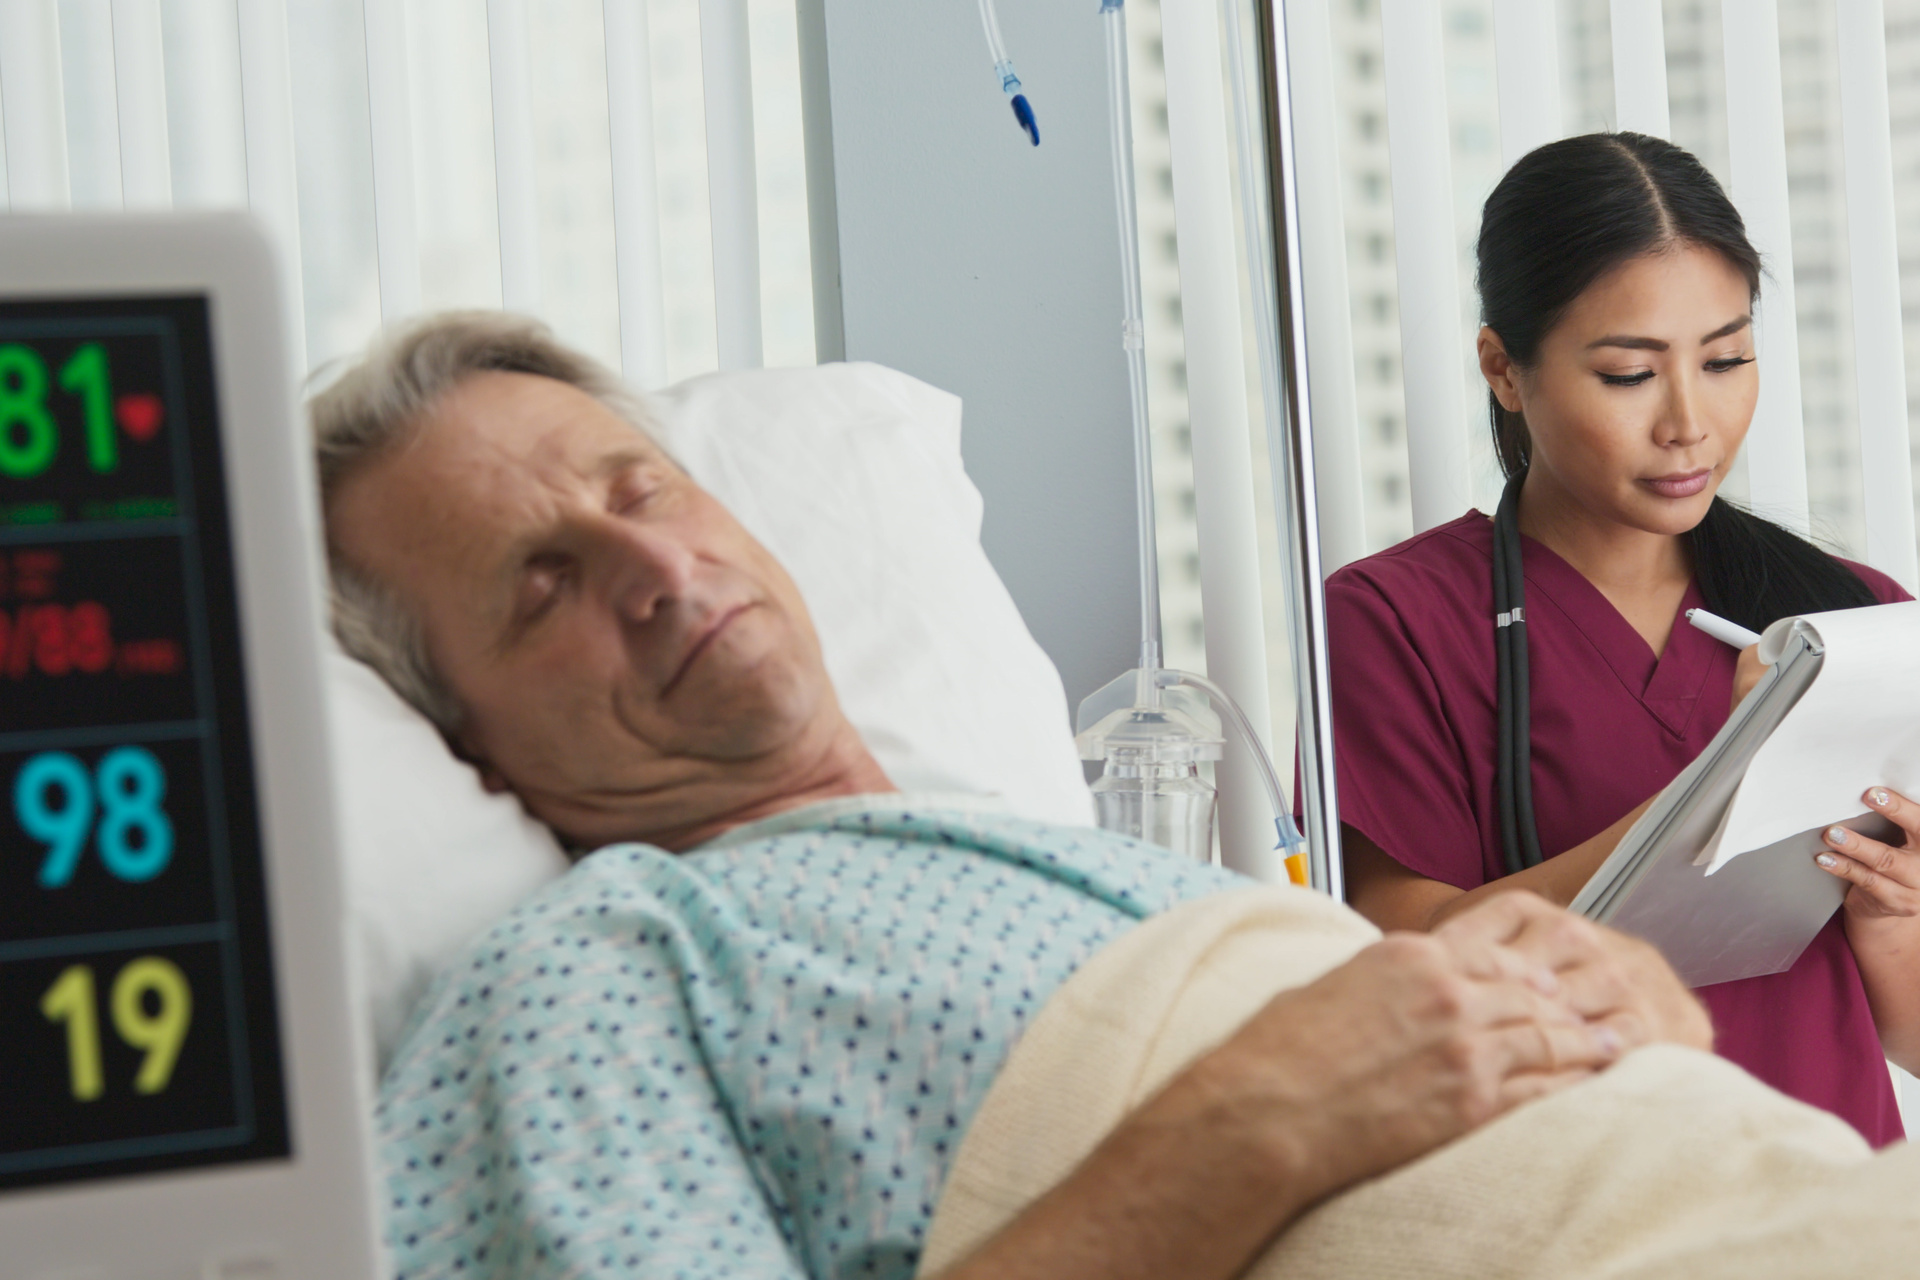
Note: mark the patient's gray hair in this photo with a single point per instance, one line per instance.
(376, 404)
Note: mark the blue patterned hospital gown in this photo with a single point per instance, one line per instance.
(755, 1059)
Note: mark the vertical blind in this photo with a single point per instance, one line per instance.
(1443, 426)
(152, 104)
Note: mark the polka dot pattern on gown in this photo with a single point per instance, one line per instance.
(756, 1059)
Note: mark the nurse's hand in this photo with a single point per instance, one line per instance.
(1882, 916)
(1747, 673)
(1885, 878)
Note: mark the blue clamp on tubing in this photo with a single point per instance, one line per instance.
(1290, 838)
(1023, 113)
(1022, 109)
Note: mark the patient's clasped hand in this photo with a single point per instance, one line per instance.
(752, 1034)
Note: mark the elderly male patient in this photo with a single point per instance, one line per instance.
(748, 1035)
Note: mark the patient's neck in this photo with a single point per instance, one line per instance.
(844, 767)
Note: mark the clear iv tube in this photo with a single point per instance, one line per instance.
(996, 46)
(1290, 838)
(1133, 336)
(1258, 238)
(1003, 67)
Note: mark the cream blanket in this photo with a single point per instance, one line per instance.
(1672, 1164)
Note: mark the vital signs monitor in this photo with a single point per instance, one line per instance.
(181, 1078)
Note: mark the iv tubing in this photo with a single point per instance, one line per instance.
(1133, 336)
(1003, 67)
(1258, 241)
(1290, 838)
(996, 46)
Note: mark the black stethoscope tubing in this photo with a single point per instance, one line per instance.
(1519, 836)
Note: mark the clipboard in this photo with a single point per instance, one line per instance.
(1759, 910)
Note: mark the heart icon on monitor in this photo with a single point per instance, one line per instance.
(139, 415)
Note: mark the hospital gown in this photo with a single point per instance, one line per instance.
(754, 1059)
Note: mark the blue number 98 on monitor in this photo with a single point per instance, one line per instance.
(56, 800)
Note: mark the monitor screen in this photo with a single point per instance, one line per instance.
(137, 1023)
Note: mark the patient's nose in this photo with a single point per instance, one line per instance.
(647, 568)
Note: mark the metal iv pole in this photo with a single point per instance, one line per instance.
(1272, 229)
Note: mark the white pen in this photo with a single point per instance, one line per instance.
(1720, 629)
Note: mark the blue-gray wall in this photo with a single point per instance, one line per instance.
(989, 267)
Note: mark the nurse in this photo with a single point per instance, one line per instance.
(1617, 286)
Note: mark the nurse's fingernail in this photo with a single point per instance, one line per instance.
(1826, 860)
(1608, 1041)
(1838, 836)
(1879, 798)
(1544, 981)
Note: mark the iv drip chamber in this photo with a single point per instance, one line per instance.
(1152, 788)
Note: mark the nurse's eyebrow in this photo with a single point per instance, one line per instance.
(1632, 343)
(1730, 327)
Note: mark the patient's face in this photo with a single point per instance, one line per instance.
(627, 655)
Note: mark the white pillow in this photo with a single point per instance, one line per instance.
(431, 858)
(851, 475)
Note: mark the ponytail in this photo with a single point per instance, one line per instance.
(1753, 572)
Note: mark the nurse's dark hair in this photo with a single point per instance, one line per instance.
(1563, 217)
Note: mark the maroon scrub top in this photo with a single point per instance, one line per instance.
(1411, 640)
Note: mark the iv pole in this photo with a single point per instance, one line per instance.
(1280, 311)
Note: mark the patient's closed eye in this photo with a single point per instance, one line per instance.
(544, 577)
(631, 492)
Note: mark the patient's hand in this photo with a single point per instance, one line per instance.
(1419, 1039)
(1412, 1043)
(1608, 978)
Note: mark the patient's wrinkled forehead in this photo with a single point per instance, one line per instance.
(500, 455)
(496, 431)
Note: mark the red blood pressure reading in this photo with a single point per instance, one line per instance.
(54, 639)
(42, 636)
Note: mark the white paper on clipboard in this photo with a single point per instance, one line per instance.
(1855, 727)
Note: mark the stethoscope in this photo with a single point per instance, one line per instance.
(1519, 837)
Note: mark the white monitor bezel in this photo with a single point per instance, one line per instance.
(312, 1215)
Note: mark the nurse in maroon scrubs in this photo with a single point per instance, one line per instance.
(1617, 286)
